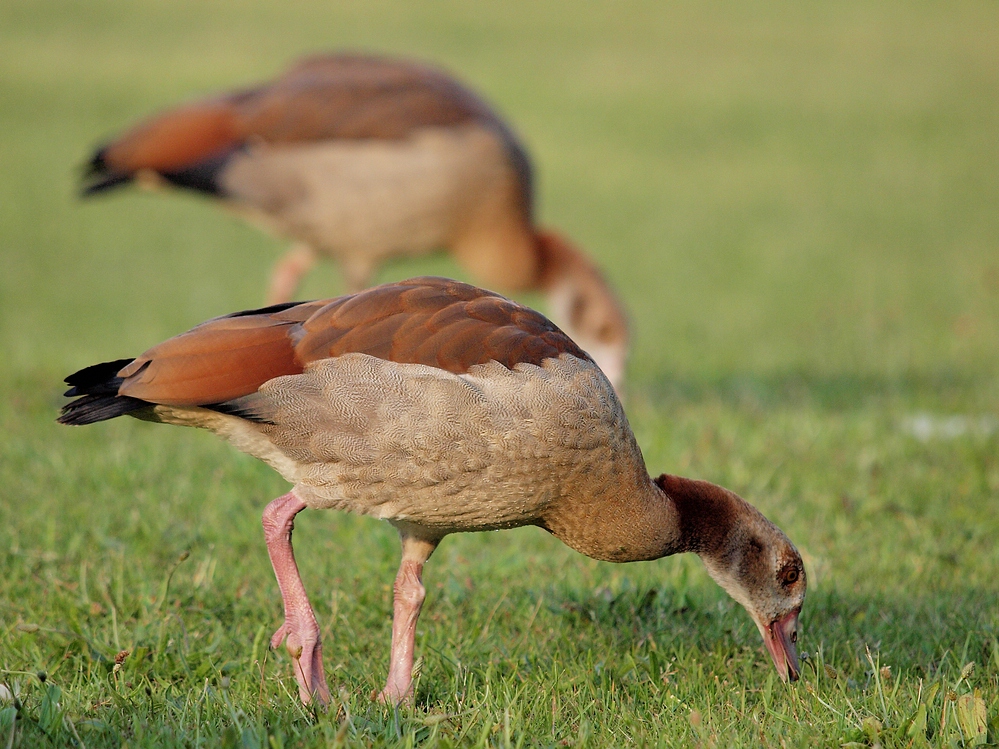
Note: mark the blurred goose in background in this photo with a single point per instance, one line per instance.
(441, 408)
(362, 159)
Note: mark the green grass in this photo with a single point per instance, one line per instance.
(798, 203)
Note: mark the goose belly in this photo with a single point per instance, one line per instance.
(372, 198)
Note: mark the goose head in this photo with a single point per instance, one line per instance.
(760, 568)
(749, 557)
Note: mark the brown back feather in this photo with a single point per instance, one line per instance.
(327, 97)
(356, 97)
(432, 321)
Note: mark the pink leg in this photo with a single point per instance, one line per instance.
(288, 272)
(300, 626)
(408, 600)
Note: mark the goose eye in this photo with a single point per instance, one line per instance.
(789, 576)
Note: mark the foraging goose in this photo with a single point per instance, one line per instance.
(365, 158)
(440, 408)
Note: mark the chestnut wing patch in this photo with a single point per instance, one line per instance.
(356, 97)
(433, 321)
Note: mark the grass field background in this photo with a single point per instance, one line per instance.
(799, 203)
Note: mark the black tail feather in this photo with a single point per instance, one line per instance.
(105, 182)
(98, 379)
(98, 163)
(93, 408)
(98, 177)
(98, 387)
(203, 176)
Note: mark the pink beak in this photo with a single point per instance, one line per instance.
(780, 638)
